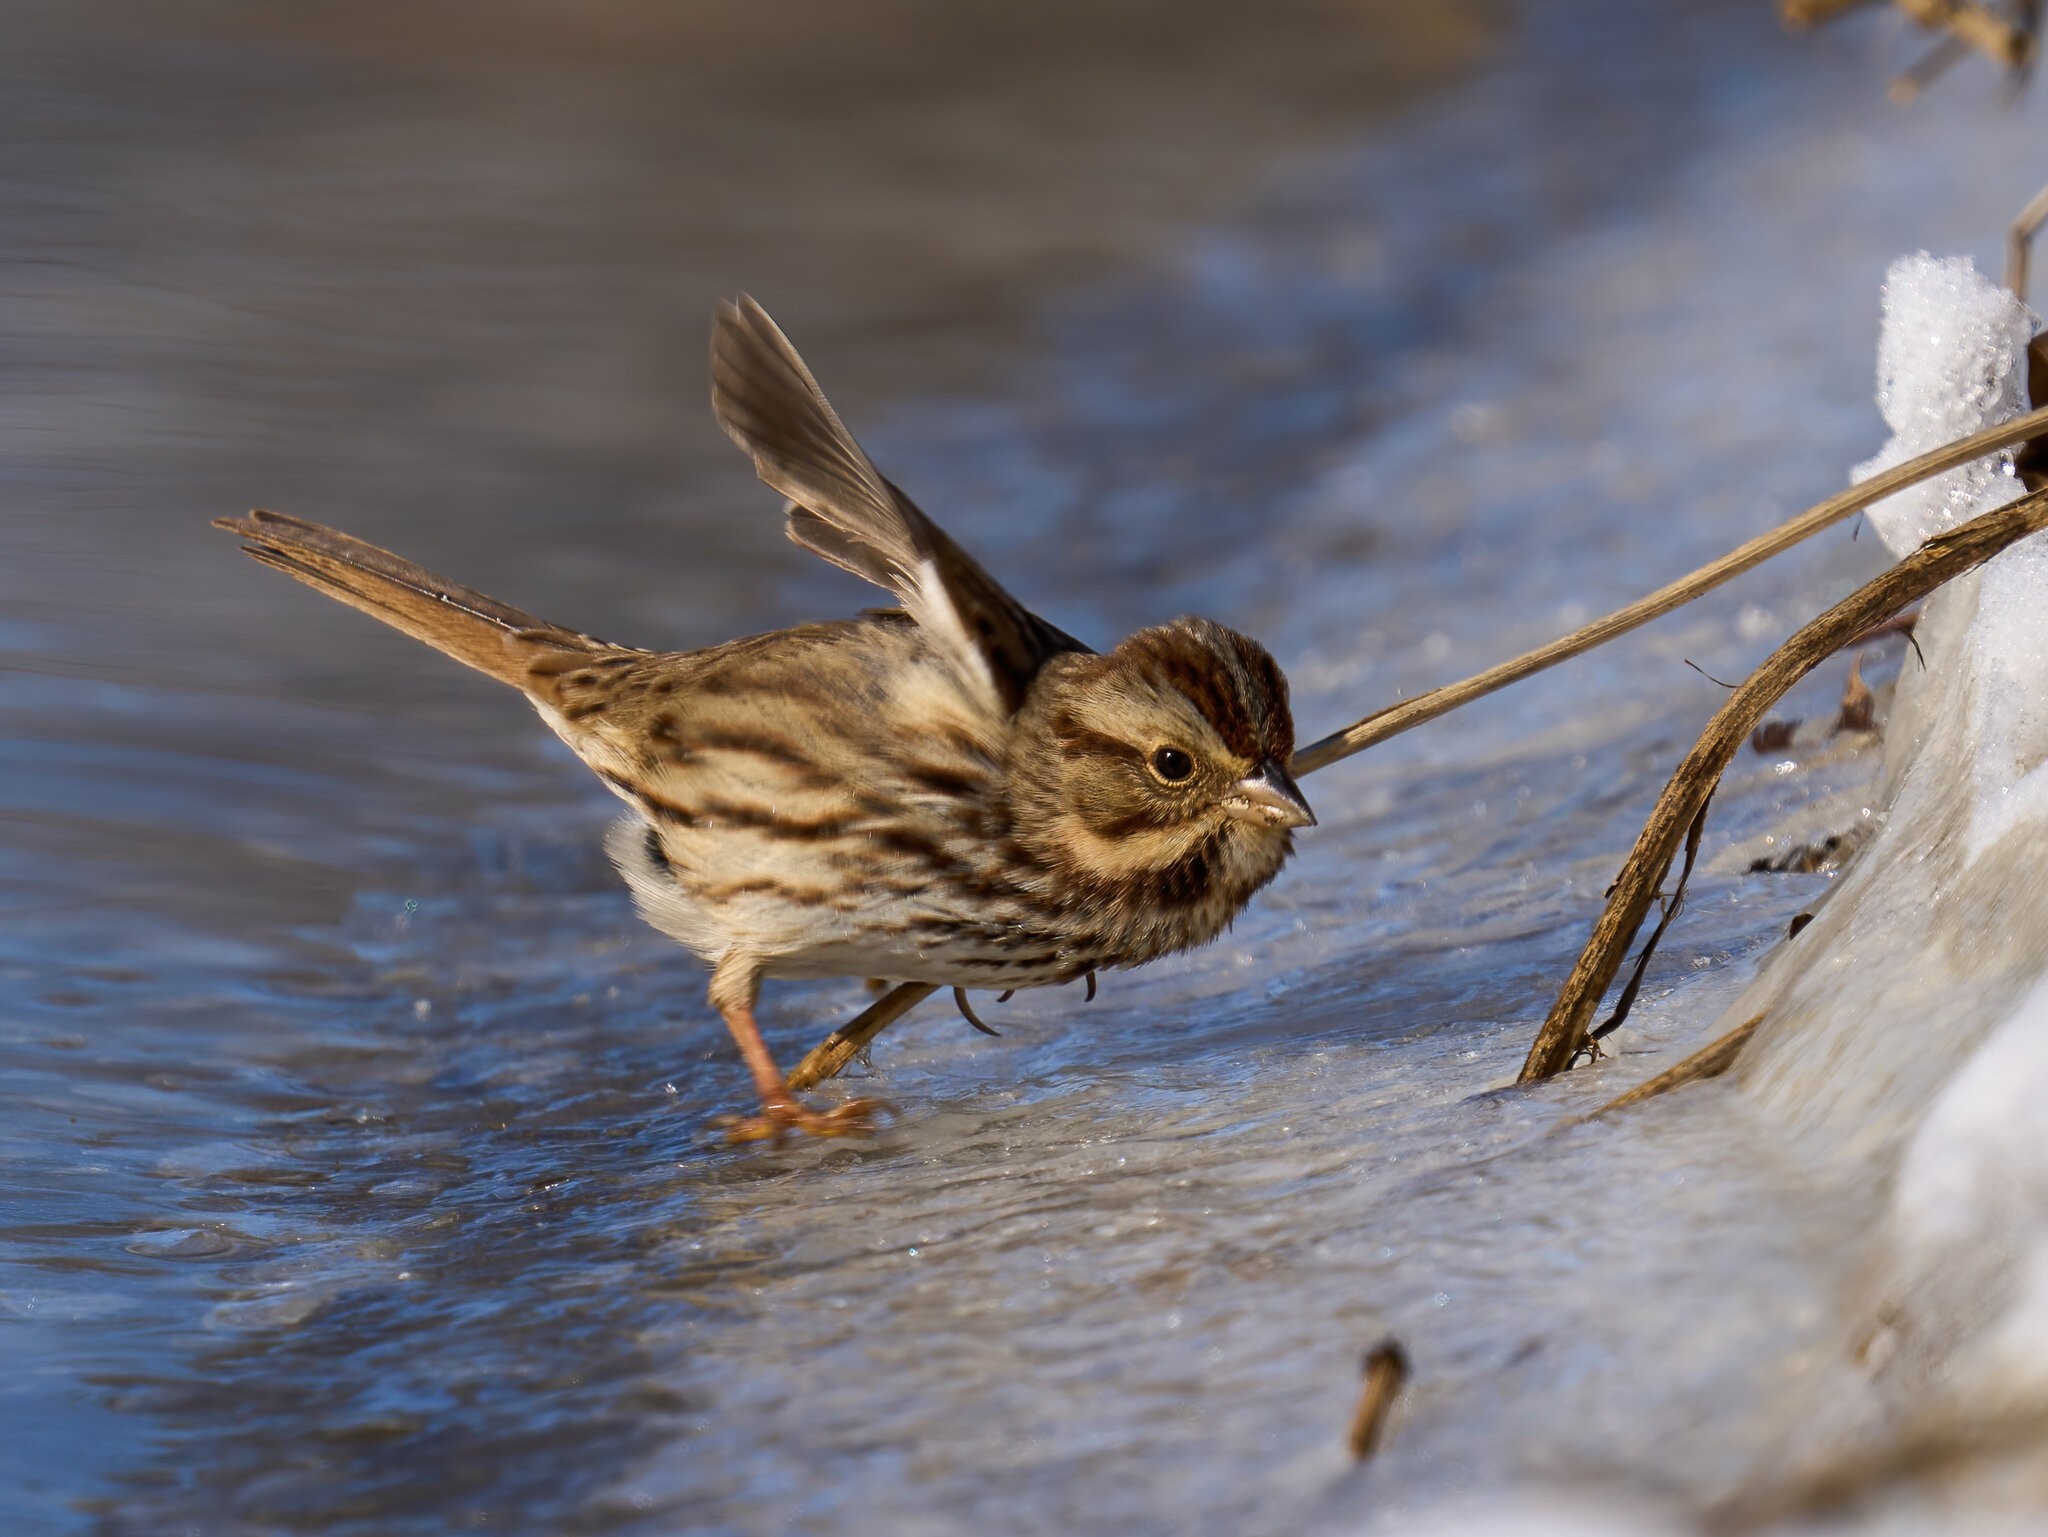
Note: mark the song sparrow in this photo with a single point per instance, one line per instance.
(954, 792)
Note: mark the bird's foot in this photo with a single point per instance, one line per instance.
(782, 1115)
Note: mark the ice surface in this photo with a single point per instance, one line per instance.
(1584, 326)
(1908, 1025)
(1969, 1221)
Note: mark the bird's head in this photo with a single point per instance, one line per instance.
(1161, 767)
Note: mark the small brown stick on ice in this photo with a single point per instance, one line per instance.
(1386, 1373)
(1708, 1062)
(829, 1057)
(1394, 719)
(1940, 560)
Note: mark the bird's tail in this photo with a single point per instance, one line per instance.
(490, 636)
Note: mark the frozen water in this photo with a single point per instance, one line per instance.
(1969, 1223)
(312, 950)
(1908, 1026)
(1951, 359)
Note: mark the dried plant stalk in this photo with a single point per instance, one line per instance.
(1386, 1373)
(1978, 25)
(1409, 713)
(1940, 560)
(2019, 243)
(1708, 1062)
(2005, 39)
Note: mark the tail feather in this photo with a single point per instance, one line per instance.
(493, 637)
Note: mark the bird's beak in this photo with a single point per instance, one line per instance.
(1269, 797)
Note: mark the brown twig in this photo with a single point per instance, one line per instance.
(1708, 1062)
(1944, 56)
(1674, 904)
(1386, 1373)
(2019, 243)
(1978, 25)
(1410, 713)
(1940, 560)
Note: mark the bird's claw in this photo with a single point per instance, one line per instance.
(780, 1117)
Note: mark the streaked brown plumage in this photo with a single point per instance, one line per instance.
(955, 793)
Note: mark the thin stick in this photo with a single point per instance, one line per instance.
(2019, 243)
(829, 1057)
(1945, 55)
(1674, 904)
(1976, 24)
(1386, 1373)
(1409, 713)
(1708, 1062)
(1941, 559)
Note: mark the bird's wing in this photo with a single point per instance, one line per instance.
(842, 508)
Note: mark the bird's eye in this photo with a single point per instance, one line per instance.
(1173, 765)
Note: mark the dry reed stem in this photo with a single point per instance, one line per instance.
(1409, 713)
(1977, 24)
(1971, 23)
(2019, 243)
(1940, 560)
(1944, 56)
(1708, 1062)
(1386, 1373)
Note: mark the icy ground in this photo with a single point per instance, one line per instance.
(368, 1191)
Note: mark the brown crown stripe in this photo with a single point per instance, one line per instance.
(1187, 660)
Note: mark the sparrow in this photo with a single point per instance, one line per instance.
(952, 791)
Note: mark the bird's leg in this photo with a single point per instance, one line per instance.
(734, 990)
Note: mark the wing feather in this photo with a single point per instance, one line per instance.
(844, 510)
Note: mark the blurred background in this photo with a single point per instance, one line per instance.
(355, 1168)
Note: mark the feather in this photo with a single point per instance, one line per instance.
(495, 638)
(843, 509)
